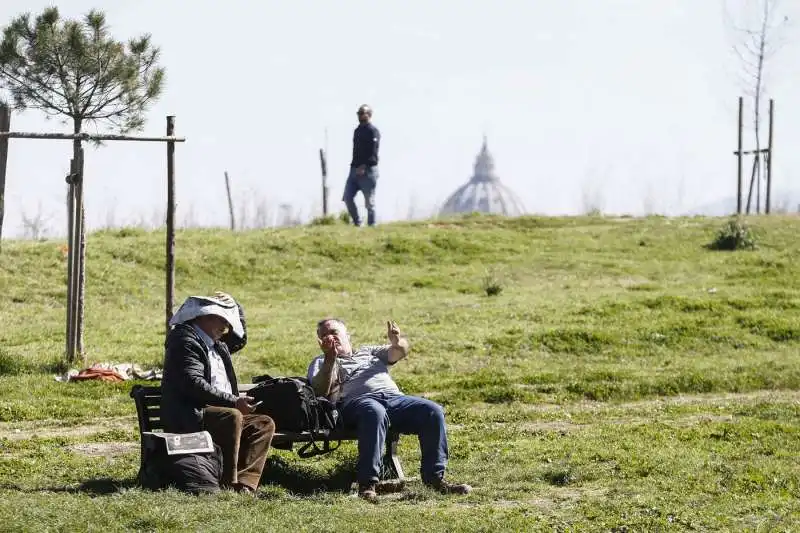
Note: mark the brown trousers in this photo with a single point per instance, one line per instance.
(244, 440)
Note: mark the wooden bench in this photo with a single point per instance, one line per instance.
(148, 411)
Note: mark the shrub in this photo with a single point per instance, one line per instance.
(344, 217)
(10, 365)
(492, 284)
(327, 220)
(734, 235)
(560, 475)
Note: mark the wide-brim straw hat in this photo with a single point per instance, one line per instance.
(196, 306)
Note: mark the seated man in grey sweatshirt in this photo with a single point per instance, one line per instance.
(369, 400)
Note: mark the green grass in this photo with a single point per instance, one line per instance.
(626, 375)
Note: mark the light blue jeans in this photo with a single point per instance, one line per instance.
(365, 183)
(371, 416)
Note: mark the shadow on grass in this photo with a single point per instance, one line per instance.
(303, 480)
(92, 487)
(278, 472)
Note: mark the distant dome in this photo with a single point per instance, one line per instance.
(483, 193)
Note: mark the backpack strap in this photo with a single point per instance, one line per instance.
(312, 448)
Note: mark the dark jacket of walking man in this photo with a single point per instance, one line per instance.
(363, 167)
(199, 390)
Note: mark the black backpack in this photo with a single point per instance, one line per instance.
(294, 407)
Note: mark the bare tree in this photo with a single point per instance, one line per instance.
(759, 34)
(111, 214)
(35, 226)
(190, 218)
(649, 201)
(593, 196)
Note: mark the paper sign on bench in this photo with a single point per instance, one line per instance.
(183, 443)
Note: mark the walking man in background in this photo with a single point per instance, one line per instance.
(363, 167)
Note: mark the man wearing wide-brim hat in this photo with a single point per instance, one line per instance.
(199, 390)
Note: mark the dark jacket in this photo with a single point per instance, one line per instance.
(366, 142)
(186, 384)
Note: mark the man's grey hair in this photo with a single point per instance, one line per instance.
(321, 323)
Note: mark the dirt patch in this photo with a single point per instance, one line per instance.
(693, 399)
(703, 418)
(557, 426)
(104, 449)
(57, 428)
(714, 399)
(563, 427)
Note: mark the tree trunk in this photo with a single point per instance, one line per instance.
(762, 44)
(80, 245)
(5, 125)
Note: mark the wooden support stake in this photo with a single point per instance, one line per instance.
(752, 181)
(69, 348)
(80, 219)
(170, 288)
(5, 125)
(769, 155)
(230, 201)
(739, 160)
(324, 166)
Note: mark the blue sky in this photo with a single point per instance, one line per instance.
(627, 105)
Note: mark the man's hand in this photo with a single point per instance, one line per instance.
(399, 346)
(328, 346)
(360, 170)
(226, 298)
(394, 332)
(325, 381)
(243, 404)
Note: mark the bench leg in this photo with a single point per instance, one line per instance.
(391, 459)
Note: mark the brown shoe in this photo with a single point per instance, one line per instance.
(450, 488)
(243, 489)
(368, 492)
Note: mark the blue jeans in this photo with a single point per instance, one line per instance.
(365, 183)
(372, 414)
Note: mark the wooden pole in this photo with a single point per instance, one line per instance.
(82, 264)
(69, 348)
(5, 125)
(81, 136)
(79, 272)
(757, 179)
(739, 160)
(324, 166)
(230, 201)
(769, 156)
(752, 181)
(170, 288)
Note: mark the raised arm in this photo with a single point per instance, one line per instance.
(398, 346)
(324, 379)
(324, 376)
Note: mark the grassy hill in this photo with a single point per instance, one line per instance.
(625, 374)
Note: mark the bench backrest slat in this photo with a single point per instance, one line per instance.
(148, 407)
